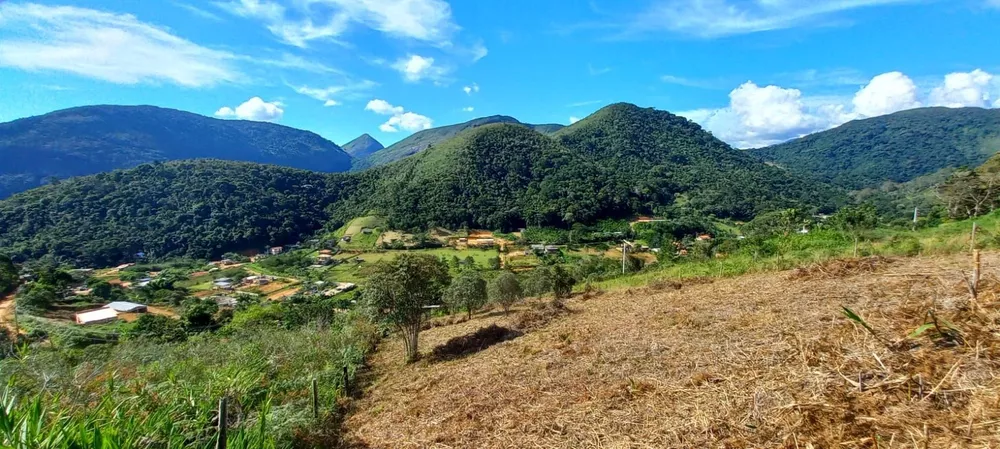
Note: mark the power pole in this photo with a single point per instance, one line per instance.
(624, 242)
(914, 218)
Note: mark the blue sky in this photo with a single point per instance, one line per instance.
(754, 72)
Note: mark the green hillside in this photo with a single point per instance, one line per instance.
(189, 208)
(93, 139)
(897, 147)
(621, 161)
(422, 140)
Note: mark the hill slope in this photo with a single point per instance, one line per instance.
(200, 208)
(94, 139)
(896, 147)
(421, 140)
(362, 146)
(755, 361)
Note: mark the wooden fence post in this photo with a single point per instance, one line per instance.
(973, 236)
(315, 400)
(347, 382)
(223, 423)
(976, 269)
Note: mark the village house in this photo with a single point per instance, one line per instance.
(127, 307)
(227, 302)
(275, 250)
(98, 316)
(324, 259)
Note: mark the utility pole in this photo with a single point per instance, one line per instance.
(914, 218)
(624, 242)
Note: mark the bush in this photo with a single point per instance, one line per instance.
(505, 290)
(155, 328)
(562, 282)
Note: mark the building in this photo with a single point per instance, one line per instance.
(98, 316)
(276, 250)
(126, 307)
(324, 259)
(226, 301)
(545, 249)
(325, 252)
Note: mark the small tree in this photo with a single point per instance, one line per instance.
(505, 290)
(538, 282)
(855, 220)
(37, 296)
(199, 315)
(155, 328)
(398, 291)
(562, 282)
(467, 291)
(494, 263)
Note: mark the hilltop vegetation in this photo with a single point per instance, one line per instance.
(425, 139)
(94, 139)
(198, 209)
(897, 147)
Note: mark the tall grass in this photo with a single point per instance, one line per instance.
(135, 395)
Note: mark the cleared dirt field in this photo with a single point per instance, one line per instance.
(762, 361)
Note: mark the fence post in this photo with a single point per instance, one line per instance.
(973, 236)
(223, 423)
(347, 382)
(315, 400)
(976, 269)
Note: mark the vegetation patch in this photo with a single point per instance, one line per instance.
(840, 268)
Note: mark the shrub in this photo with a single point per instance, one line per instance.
(505, 290)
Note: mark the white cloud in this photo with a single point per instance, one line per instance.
(468, 109)
(573, 120)
(407, 121)
(329, 95)
(470, 89)
(759, 116)
(993, 4)
(963, 89)
(718, 18)
(112, 47)
(400, 120)
(254, 109)
(688, 82)
(198, 11)
(479, 51)
(584, 103)
(308, 20)
(416, 68)
(597, 71)
(383, 107)
(885, 94)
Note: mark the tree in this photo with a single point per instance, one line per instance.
(538, 282)
(101, 289)
(494, 263)
(199, 315)
(467, 291)
(562, 282)
(855, 220)
(398, 291)
(470, 262)
(8, 274)
(505, 290)
(156, 328)
(37, 296)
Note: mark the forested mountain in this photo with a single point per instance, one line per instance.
(188, 208)
(896, 147)
(94, 139)
(421, 140)
(621, 161)
(362, 146)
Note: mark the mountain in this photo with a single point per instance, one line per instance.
(199, 208)
(362, 146)
(619, 162)
(421, 140)
(897, 147)
(94, 139)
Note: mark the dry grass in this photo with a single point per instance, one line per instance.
(757, 361)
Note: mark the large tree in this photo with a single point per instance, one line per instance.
(505, 290)
(399, 291)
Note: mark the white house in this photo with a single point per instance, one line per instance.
(126, 307)
(102, 315)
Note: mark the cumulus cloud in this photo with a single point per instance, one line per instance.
(963, 89)
(573, 119)
(885, 94)
(305, 21)
(415, 68)
(468, 109)
(758, 116)
(399, 120)
(254, 109)
(117, 48)
(470, 89)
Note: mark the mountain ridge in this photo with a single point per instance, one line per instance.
(93, 139)
(362, 146)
